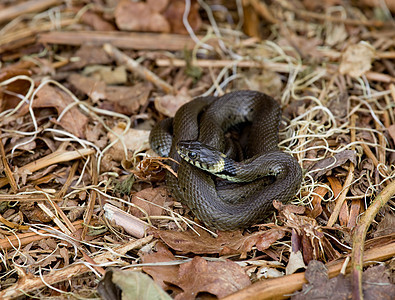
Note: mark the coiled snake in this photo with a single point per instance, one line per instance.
(198, 129)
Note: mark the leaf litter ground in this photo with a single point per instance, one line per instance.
(83, 195)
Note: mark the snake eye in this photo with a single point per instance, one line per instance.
(192, 155)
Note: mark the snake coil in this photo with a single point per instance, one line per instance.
(206, 120)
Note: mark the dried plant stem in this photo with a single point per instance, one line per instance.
(69, 179)
(7, 169)
(22, 8)
(28, 237)
(360, 236)
(53, 158)
(347, 182)
(136, 68)
(91, 201)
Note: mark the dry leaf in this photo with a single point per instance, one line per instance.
(133, 285)
(126, 99)
(93, 88)
(295, 263)
(156, 196)
(220, 278)
(357, 59)
(88, 55)
(225, 243)
(73, 120)
(138, 16)
(161, 274)
(108, 74)
(135, 140)
(169, 104)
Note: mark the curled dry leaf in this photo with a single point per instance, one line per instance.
(357, 59)
(169, 104)
(225, 243)
(73, 120)
(134, 140)
(151, 169)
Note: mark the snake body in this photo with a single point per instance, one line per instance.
(202, 123)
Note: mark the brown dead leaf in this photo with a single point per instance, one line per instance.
(307, 235)
(126, 99)
(161, 274)
(135, 140)
(88, 55)
(138, 16)
(95, 89)
(157, 196)
(158, 5)
(10, 100)
(386, 225)
(151, 169)
(357, 59)
(73, 120)
(225, 243)
(169, 104)
(219, 278)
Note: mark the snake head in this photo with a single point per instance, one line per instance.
(200, 155)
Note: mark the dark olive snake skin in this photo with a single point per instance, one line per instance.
(206, 119)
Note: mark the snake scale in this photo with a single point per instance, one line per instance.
(205, 121)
